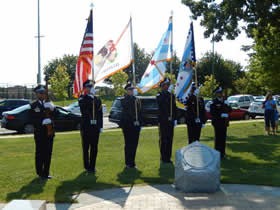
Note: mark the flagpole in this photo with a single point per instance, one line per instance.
(171, 65)
(92, 65)
(195, 75)
(133, 65)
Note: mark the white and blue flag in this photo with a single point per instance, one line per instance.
(157, 67)
(185, 75)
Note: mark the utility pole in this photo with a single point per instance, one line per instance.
(39, 76)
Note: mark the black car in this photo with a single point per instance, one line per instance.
(149, 110)
(20, 120)
(10, 104)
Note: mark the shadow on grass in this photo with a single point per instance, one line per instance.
(128, 176)
(34, 187)
(81, 183)
(166, 175)
(68, 192)
(256, 162)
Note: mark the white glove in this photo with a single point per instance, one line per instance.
(46, 121)
(135, 92)
(92, 91)
(203, 126)
(170, 89)
(101, 130)
(196, 92)
(175, 123)
(224, 115)
(226, 102)
(49, 105)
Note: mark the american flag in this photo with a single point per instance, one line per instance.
(84, 63)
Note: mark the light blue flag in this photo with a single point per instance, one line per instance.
(185, 75)
(157, 67)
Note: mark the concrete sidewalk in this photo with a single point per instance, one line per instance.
(161, 197)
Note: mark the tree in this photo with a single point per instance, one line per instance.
(209, 85)
(241, 85)
(68, 62)
(225, 71)
(119, 80)
(265, 60)
(226, 18)
(142, 60)
(59, 82)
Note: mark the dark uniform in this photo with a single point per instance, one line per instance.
(90, 129)
(166, 123)
(220, 123)
(131, 127)
(194, 123)
(43, 141)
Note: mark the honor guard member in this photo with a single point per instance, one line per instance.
(220, 110)
(42, 112)
(131, 124)
(194, 121)
(167, 119)
(91, 125)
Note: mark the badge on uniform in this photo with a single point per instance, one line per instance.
(136, 123)
(37, 109)
(93, 122)
(197, 120)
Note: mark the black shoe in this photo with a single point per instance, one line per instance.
(130, 166)
(91, 171)
(46, 177)
(167, 162)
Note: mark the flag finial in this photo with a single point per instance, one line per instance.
(92, 5)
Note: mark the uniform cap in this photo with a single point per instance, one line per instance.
(40, 89)
(166, 80)
(88, 84)
(128, 86)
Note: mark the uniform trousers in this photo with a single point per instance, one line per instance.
(194, 130)
(43, 151)
(220, 138)
(166, 131)
(131, 138)
(90, 138)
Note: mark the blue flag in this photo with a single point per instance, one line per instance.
(185, 75)
(157, 67)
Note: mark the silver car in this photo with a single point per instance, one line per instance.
(256, 108)
(243, 101)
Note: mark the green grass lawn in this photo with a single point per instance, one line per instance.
(253, 159)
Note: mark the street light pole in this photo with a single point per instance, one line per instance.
(213, 60)
(39, 78)
(213, 54)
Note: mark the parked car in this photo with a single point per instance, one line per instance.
(243, 101)
(256, 108)
(75, 109)
(10, 104)
(236, 114)
(259, 98)
(20, 120)
(150, 111)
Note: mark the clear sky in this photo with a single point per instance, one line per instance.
(63, 23)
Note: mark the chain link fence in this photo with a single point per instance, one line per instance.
(8, 91)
